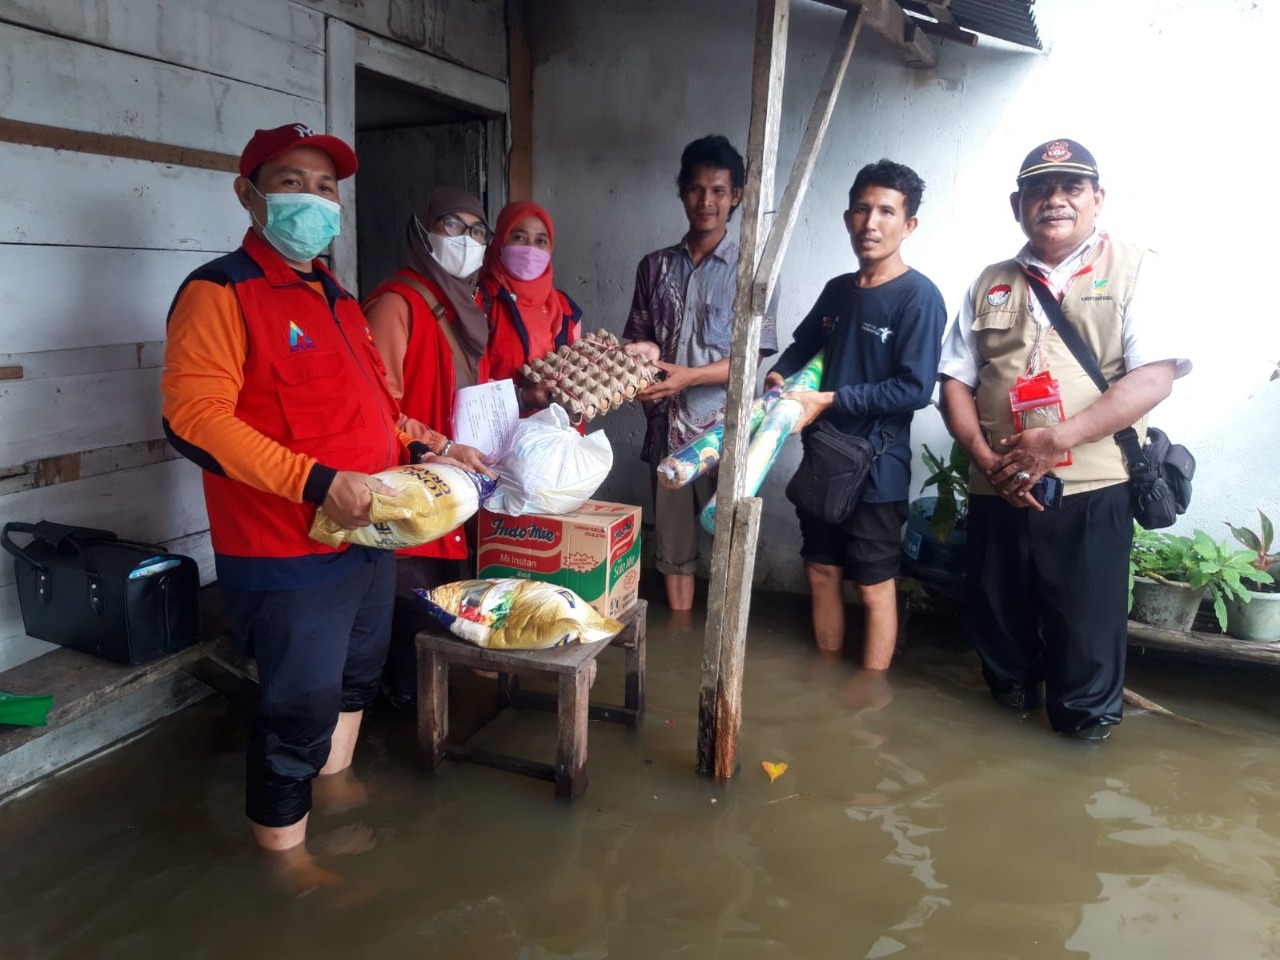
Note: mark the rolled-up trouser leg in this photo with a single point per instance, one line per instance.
(302, 641)
(1081, 553)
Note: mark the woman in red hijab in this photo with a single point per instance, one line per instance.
(528, 316)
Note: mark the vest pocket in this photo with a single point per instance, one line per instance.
(316, 394)
(994, 320)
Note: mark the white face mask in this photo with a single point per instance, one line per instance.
(457, 256)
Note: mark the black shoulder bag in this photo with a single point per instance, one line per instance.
(1160, 473)
(92, 591)
(832, 472)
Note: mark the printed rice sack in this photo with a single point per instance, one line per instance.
(431, 500)
(516, 614)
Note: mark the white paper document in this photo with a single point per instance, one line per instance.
(485, 415)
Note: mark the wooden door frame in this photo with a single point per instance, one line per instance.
(347, 48)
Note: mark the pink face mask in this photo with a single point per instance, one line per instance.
(523, 262)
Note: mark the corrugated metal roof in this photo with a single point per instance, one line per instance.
(1011, 20)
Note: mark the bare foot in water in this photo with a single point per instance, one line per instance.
(868, 691)
(347, 840)
(338, 792)
(296, 873)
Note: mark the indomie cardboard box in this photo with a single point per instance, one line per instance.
(594, 551)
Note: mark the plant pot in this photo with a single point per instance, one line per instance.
(1165, 605)
(1257, 620)
(924, 555)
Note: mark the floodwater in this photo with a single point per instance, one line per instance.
(915, 819)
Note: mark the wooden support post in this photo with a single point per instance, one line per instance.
(737, 609)
(807, 156)
(738, 519)
(520, 96)
(762, 151)
(887, 18)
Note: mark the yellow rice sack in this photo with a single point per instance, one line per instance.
(516, 614)
(431, 500)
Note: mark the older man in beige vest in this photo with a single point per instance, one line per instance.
(1048, 578)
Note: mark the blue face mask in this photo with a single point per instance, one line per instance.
(299, 225)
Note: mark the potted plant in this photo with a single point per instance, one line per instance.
(1169, 574)
(1257, 617)
(935, 540)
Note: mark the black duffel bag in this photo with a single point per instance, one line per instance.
(832, 472)
(89, 590)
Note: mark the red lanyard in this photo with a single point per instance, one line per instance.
(1033, 274)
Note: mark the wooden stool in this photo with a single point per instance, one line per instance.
(573, 667)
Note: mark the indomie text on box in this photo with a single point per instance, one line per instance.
(594, 551)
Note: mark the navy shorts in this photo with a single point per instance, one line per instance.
(868, 546)
(320, 652)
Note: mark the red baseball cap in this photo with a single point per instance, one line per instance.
(269, 144)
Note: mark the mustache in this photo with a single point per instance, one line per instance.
(1055, 215)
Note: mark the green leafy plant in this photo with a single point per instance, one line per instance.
(1195, 561)
(1259, 543)
(951, 477)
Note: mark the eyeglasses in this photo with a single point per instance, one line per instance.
(456, 227)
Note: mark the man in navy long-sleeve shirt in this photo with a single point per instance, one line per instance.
(881, 328)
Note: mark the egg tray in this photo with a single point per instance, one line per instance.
(593, 375)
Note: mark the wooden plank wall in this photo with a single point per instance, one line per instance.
(119, 128)
(120, 125)
(470, 32)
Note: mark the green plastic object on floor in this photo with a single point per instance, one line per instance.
(24, 711)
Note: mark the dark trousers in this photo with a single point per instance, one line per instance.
(1048, 600)
(401, 673)
(320, 652)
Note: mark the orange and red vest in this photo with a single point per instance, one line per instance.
(429, 385)
(313, 382)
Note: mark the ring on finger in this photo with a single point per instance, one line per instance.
(1022, 476)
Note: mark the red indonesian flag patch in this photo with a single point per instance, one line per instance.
(998, 295)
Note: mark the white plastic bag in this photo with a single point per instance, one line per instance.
(548, 467)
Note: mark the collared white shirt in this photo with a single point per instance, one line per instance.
(1148, 331)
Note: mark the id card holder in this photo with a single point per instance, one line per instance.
(1037, 402)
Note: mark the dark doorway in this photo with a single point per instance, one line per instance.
(409, 143)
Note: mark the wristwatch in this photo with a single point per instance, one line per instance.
(444, 451)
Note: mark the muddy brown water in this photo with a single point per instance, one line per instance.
(914, 820)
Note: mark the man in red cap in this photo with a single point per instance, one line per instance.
(273, 386)
(1050, 514)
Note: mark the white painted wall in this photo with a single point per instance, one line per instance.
(1172, 96)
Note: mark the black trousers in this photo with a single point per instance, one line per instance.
(1048, 600)
(320, 651)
